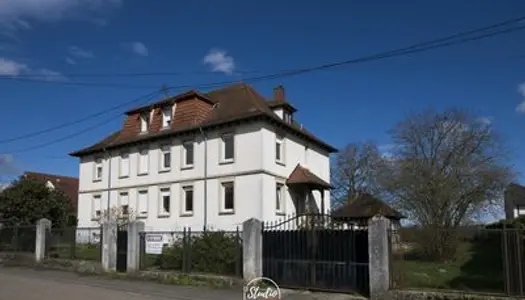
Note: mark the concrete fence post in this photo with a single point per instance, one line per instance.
(379, 257)
(109, 245)
(133, 256)
(43, 226)
(252, 249)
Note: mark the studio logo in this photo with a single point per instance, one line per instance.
(262, 288)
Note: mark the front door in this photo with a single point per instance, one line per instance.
(122, 248)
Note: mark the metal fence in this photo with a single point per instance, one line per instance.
(467, 259)
(18, 239)
(75, 243)
(316, 252)
(208, 251)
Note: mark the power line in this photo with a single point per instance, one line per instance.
(66, 124)
(74, 83)
(416, 48)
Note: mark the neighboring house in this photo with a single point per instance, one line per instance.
(67, 185)
(210, 159)
(514, 201)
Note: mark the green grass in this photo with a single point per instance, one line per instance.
(475, 267)
(81, 252)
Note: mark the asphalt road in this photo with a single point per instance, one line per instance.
(27, 284)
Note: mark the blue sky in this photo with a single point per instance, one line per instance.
(59, 39)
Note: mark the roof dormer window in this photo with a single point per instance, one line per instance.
(144, 122)
(166, 116)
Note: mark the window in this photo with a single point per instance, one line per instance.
(124, 165)
(228, 148)
(124, 203)
(228, 197)
(188, 154)
(165, 202)
(144, 122)
(142, 203)
(188, 200)
(143, 162)
(279, 148)
(287, 117)
(165, 158)
(98, 169)
(96, 207)
(279, 198)
(166, 117)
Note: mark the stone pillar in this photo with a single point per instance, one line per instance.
(133, 257)
(43, 226)
(252, 249)
(379, 257)
(109, 245)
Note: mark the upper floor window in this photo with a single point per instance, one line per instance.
(166, 116)
(144, 122)
(124, 165)
(96, 207)
(187, 203)
(187, 158)
(227, 197)
(227, 147)
(98, 169)
(279, 148)
(279, 198)
(143, 162)
(142, 203)
(287, 117)
(124, 204)
(165, 202)
(165, 158)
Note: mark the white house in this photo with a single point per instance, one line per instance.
(210, 159)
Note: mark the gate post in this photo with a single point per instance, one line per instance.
(378, 257)
(252, 249)
(133, 257)
(42, 227)
(109, 245)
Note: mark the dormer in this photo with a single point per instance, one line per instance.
(280, 106)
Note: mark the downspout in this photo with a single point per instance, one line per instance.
(109, 182)
(205, 177)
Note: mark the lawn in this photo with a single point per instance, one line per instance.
(80, 252)
(477, 266)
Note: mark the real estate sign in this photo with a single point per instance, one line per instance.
(154, 243)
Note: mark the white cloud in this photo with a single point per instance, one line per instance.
(78, 52)
(19, 14)
(386, 150)
(486, 120)
(219, 61)
(70, 61)
(139, 48)
(521, 107)
(8, 165)
(15, 69)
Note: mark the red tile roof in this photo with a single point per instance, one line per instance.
(225, 106)
(301, 175)
(68, 185)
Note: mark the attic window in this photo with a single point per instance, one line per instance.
(144, 122)
(287, 117)
(166, 116)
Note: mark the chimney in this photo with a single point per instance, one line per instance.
(278, 93)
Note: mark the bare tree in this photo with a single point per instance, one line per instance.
(446, 168)
(116, 214)
(354, 171)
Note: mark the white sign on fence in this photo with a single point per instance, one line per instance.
(154, 243)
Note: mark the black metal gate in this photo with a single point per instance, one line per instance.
(122, 248)
(313, 252)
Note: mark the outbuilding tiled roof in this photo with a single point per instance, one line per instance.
(366, 206)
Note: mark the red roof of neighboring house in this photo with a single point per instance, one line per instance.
(68, 185)
(301, 175)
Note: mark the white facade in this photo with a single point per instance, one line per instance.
(143, 183)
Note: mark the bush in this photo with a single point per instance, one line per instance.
(209, 252)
